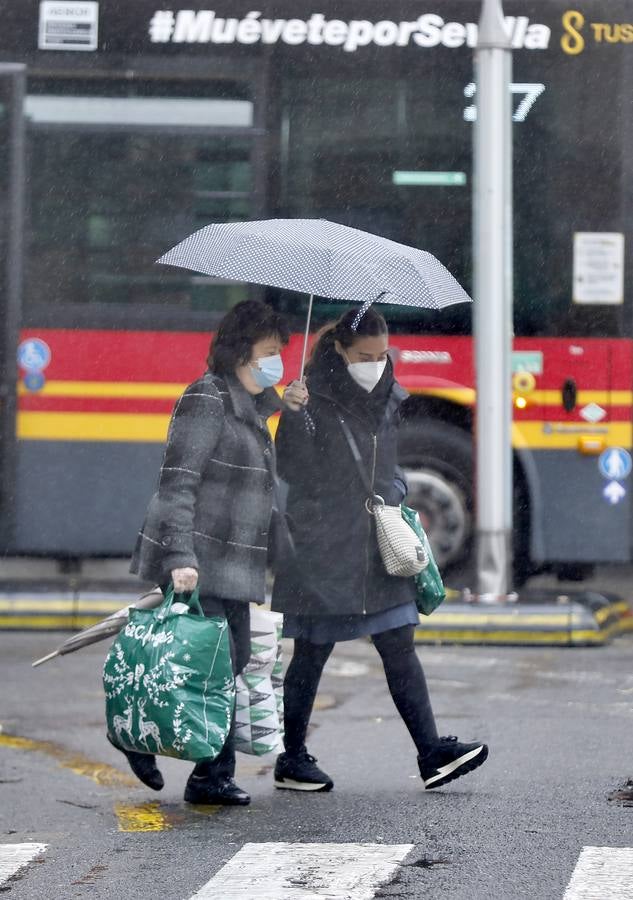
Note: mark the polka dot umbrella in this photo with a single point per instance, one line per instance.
(319, 258)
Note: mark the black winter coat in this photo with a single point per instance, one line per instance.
(337, 569)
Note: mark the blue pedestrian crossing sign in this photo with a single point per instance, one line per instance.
(615, 464)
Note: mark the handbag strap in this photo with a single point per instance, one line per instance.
(358, 459)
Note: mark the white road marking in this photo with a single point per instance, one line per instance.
(290, 871)
(14, 856)
(602, 872)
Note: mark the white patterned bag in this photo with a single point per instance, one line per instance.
(259, 689)
(401, 550)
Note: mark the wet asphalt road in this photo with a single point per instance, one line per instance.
(559, 723)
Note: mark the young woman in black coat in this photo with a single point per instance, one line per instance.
(335, 586)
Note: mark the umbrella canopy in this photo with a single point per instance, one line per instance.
(319, 257)
(104, 629)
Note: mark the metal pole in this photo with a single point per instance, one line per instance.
(13, 80)
(492, 203)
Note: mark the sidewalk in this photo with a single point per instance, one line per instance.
(35, 594)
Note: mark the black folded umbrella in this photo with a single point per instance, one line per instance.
(104, 629)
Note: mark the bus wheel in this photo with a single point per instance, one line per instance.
(438, 461)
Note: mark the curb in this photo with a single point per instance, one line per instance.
(59, 610)
(544, 618)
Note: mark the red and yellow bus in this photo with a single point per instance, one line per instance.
(171, 119)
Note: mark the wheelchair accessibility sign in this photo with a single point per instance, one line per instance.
(34, 355)
(615, 464)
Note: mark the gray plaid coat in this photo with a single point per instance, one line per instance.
(213, 505)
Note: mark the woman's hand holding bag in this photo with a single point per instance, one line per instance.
(184, 580)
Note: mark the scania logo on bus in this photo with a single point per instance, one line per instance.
(425, 356)
(186, 26)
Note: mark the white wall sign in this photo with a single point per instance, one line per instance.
(598, 267)
(68, 25)
(203, 26)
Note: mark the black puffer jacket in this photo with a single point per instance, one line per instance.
(337, 569)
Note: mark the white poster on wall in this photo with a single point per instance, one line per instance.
(70, 25)
(598, 267)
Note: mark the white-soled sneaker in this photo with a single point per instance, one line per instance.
(450, 759)
(299, 772)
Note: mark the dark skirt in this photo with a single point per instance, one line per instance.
(331, 629)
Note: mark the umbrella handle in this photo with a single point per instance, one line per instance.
(305, 338)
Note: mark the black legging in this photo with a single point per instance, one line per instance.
(405, 678)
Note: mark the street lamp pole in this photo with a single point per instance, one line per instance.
(492, 204)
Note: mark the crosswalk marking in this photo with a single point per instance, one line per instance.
(292, 871)
(602, 872)
(14, 856)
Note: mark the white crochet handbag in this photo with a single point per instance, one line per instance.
(402, 552)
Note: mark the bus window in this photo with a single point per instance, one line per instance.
(119, 172)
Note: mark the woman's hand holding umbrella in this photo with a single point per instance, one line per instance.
(296, 396)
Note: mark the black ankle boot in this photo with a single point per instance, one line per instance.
(143, 765)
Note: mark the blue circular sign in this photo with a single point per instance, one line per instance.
(34, 381)
(615, 464)
(34, 355)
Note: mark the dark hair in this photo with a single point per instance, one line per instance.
(372, 324)
(248, 322)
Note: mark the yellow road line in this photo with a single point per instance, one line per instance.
(99, 772)
(142, 817)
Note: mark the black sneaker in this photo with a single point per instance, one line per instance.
(299, 772)
(224, 791)
(448, 760)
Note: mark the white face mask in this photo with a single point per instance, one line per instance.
(367, 374)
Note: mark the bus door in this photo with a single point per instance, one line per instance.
(12, 87)
(588, 516)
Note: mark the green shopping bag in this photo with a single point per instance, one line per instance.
(429, 586)
(169, 683)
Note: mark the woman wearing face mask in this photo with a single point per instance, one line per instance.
(207, 524)
(336, 588)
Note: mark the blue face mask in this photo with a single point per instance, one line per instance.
(270, 371)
